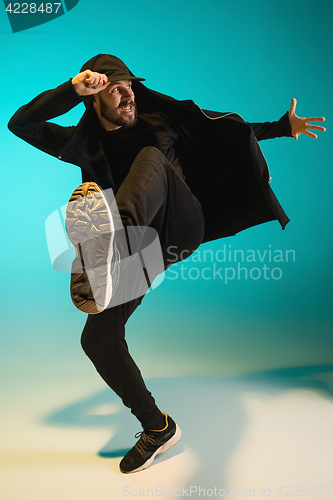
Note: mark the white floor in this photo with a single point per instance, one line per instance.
(268, 434)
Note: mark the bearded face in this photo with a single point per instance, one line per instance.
(115, 106)
(124, 115)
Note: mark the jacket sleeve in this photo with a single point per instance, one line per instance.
(30, 121)
(262, 131)
(270, 130)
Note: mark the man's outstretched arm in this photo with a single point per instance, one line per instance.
(290, 125)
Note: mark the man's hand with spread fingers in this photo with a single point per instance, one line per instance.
(300, 125)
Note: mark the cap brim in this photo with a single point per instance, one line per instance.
(116, 78)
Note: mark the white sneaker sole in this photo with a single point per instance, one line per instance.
(90, 228)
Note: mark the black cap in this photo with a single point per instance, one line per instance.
(111, 66)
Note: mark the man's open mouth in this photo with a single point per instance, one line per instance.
(128, 108)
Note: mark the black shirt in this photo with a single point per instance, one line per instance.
(121, 146)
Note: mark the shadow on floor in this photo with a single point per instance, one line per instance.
(208, 409)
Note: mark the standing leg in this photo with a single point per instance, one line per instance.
(103, 340)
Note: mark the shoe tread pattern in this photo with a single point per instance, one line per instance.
(89, 228)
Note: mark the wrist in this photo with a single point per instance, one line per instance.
(76, 87)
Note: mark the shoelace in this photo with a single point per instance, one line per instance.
(145, 440)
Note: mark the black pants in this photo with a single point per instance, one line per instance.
(153, 194)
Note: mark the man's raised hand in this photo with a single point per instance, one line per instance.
(88, 82)
(300, 125)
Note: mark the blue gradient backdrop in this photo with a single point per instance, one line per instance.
(248, 57)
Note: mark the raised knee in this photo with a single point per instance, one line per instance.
(151, 153)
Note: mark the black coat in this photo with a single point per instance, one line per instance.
(219, 153)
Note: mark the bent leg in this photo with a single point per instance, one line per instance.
(153, 194)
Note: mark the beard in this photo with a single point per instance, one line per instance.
(115, 116)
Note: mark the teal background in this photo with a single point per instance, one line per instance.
(245, 367)
(247, 57)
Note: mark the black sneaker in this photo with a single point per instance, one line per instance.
(90, 228)
(150, 444)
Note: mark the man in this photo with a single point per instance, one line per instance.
(140, 144)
